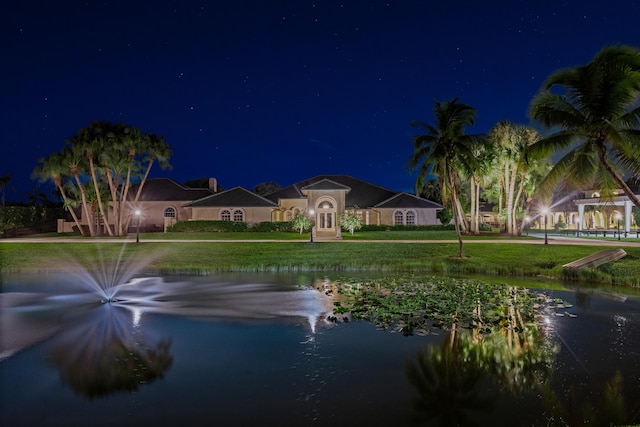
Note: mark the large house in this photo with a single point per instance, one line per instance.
(323, 198)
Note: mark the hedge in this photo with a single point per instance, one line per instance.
(439, 227)
(228, 226)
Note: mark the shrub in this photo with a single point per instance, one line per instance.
(559, 226)
(271, 227)
(204, 226)
(350, 221)
(439, 227)
(301, 223)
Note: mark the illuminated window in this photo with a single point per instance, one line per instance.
(170, 213)
(410, 218)
(238, 215)
(398, 218)
(225, 215)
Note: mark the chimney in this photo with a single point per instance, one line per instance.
(213, 185)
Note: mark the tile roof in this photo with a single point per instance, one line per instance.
(234, 197)
(406, 200)
(325, 184)
(362, 194)
(165, 189)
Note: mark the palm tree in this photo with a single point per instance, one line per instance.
(4, 183)
(73, 157)
(92, 141)
(444, 151)
(484, 153)
(53, 168)
(595, 121)
(511, 142)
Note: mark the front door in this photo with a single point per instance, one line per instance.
(326, 217)
(325, 221)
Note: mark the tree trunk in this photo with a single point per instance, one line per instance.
(602, 154)
(477, 213)
(517, 230)
(85, 205)
(95, 186)
(70, 209)
(474, 218)
(456, 217)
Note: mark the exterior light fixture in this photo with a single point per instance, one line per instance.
(138, 214)
(311, 213)
(545, 211)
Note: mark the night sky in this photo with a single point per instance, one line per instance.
(255, 91)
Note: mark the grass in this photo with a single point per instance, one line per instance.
(498, 259)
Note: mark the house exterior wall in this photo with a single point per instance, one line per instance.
(152, 218)
(287, 209)
(153, 214)
(423, 216)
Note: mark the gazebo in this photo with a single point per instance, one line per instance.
(596, 200)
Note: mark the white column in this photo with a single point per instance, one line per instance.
(627, 215)
(580, 216)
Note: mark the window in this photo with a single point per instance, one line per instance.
(326, 205)
(398, 218)
(225, 215)
(238, 215)
(410, 218)
(288, 216)
(169, 212)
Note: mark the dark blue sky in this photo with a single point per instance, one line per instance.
(255, 91)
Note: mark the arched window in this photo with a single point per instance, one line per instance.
(398, 218)
(225, 215)
(410, 218)
(326, 205)
(238, 215)
(288, 216)
(169, 212)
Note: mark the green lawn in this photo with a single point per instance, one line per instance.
(391, 256)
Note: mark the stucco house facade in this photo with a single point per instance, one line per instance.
(323, 198)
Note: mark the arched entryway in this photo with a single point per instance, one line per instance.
(326, 214)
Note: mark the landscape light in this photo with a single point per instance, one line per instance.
(545, 211)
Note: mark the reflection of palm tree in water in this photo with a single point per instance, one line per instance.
(105, 354)
(573, 409)
(462, 376)
(449, 387)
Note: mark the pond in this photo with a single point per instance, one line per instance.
(272, 350)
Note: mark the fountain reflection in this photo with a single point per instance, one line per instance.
(103, 352)
(99, 346)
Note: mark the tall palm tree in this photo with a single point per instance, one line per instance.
(4, 183)
(54, 168)
(93, 140)
(74, 158)
(444, 151)
(511, 142)
(593, 114)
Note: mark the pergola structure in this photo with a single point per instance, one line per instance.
(614, 201)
